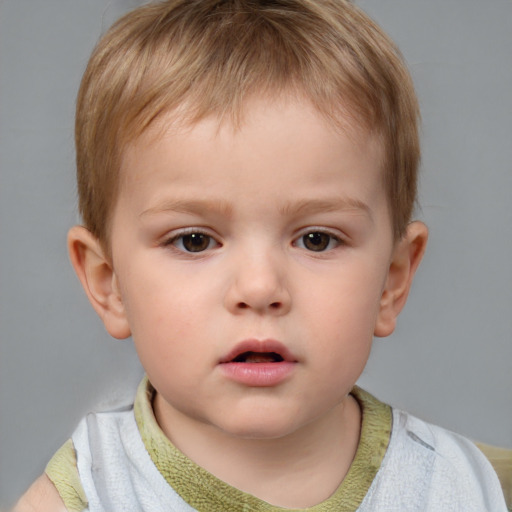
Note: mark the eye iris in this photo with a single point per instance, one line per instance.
(316, 241)
(196, 242)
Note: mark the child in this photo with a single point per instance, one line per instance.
(247, 175)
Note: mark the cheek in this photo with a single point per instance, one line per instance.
(349, 300)
(168, 317)
(161, 321)
(154, 296)
(342, 321)
(165, 340)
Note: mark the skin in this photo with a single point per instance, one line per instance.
(257, 195)
(41, 497)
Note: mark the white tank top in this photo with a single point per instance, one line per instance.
(424, 468)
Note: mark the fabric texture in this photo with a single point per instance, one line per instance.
(126, 463)
(63, 472)
(205, 492)
(501, 460)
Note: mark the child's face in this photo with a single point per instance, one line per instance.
(274, 238)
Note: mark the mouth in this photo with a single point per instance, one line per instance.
(258, 352)
(258, 357)
(259, 363)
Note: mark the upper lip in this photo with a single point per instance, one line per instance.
(259, 346)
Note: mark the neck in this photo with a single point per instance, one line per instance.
(298, 470)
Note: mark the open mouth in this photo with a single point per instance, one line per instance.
(259, 363)
(259, 351)
(258, 357)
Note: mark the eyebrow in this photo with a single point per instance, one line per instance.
(333, 204)
(301, 207)
(192, 206)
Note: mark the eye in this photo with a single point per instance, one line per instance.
(193, 242)
(317, 241)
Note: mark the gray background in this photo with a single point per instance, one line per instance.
(450, 360)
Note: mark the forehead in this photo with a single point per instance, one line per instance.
(284, 162)
(256, 119)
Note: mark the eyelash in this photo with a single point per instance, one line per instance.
(181, 238)
(324, 240)
(333, 241)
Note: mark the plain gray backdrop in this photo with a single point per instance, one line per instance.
(450, 359)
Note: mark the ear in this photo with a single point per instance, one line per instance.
(405, 260)
(96, 273)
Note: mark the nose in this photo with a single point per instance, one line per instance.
(258, 284)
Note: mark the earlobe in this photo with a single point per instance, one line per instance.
(99, 280)
(406, 258)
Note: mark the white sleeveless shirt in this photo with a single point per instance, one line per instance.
(126, 464)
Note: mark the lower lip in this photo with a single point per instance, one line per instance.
(258, 374)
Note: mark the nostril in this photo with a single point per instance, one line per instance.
(273, 305)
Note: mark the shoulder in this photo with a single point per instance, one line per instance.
(453, 451)
(42, 496)
(454, 467)
(63, 473)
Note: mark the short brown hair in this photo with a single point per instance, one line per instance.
(210, 55)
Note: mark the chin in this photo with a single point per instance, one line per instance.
(260, 426)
